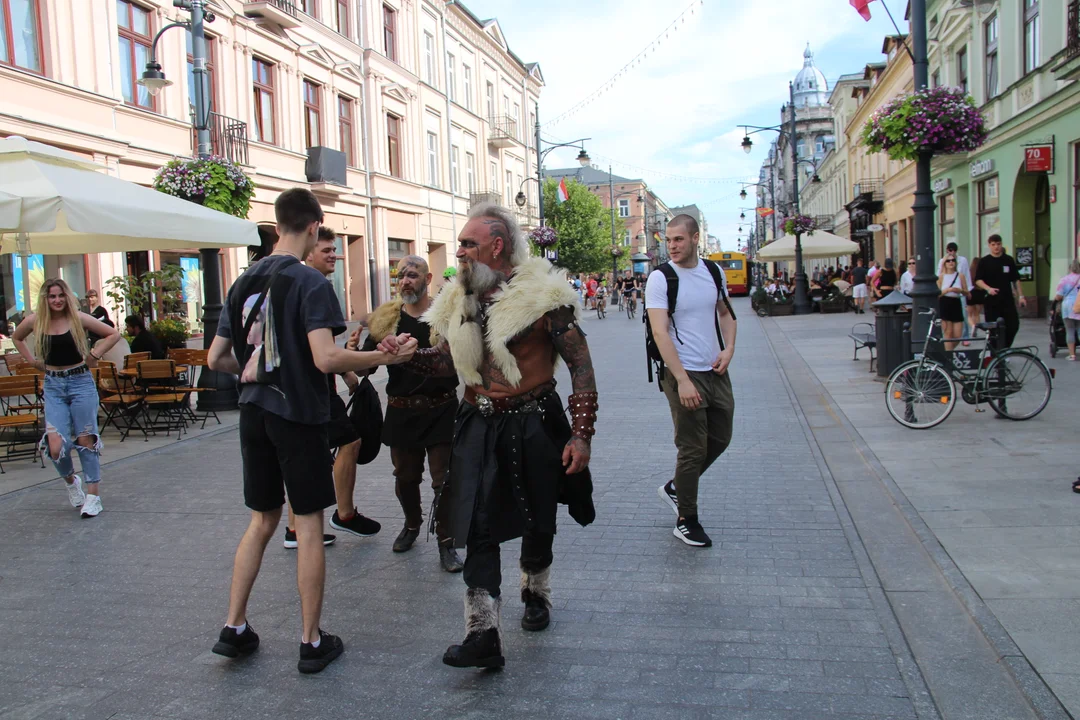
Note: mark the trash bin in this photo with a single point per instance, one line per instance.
(891, 346)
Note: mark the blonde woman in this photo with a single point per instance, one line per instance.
(62, 350)
(953, 286)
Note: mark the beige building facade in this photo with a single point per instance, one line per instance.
(398, 114)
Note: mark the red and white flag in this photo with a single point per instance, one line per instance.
(863, 6)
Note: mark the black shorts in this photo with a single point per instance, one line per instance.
(283, 456)
(340, 431)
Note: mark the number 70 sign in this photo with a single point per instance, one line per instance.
(1039, 158)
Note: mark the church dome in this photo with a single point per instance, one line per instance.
(811, 89)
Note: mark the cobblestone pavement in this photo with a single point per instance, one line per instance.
(114, 618)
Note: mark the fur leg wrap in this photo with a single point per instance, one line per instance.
(481, 611)
(537, 584)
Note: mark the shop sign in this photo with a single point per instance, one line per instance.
(875, 227)
(981, 167)
(1039, 159)
(1025, 262)
(942, 184)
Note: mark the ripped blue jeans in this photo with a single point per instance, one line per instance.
(71, 409)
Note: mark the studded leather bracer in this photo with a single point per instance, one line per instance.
(583, 407)
(431, 362)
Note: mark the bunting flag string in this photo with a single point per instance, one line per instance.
(651, 48)
(657, 173)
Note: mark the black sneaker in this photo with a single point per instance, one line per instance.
(357, 524)
(290, 539)
(405, 539)
(315, 659)
(667, 494)
(689, 530)
(230, 644)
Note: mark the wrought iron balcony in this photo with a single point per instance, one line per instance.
(478, 198)
(1072, 42)
(503, 131)
(228, 137)
(281, 12)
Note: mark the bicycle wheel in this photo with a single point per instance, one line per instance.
(1017, 385)
(920, 394)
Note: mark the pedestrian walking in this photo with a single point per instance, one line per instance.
(63, 351)
(998, 275)
(952, 285)
(971, 315)
(858, 286)
(420, 409)
(907, 280)
(342, 435)
(885, 280)
(277, 333)
(693, 328)
(504, 321)
(1069, 297)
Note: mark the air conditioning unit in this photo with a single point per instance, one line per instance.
(325, 165)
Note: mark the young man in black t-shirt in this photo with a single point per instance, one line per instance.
(998, 275)
(283, 357)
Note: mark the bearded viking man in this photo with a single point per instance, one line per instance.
(505, 321)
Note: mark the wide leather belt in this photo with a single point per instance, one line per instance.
(419, 402)
(77, 370)
(527, 402)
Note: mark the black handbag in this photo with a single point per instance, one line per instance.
(366, 415)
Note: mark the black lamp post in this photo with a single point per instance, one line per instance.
(224, 395)
(925, 291)
(583, 158)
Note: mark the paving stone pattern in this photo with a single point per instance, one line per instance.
(115, 617)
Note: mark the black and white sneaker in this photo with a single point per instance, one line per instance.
(357, 524)
(315, 659)
(689, 530)
(232, 644)
(290, 539)
(667, 494)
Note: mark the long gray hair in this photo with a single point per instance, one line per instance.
(518, 244)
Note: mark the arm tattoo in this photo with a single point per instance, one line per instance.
(433, 362)
(572, 348)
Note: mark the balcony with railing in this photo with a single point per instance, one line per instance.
(478, 198)
(1072, 36)
(284, 13)
(528, 217)
(502, 131)
(228, 138)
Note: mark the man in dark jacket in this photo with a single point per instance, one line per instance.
(142, 340)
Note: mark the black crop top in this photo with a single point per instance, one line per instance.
(61, 351)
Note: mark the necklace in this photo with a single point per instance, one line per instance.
(286, 252)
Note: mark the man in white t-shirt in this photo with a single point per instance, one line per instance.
(696, 380)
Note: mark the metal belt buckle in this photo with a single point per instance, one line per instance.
(485, 406)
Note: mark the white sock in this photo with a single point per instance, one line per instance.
(238, 628)
(314, 643)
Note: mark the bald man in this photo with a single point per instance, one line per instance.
(420, 410)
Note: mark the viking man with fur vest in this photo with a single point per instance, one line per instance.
(420, 409)
(505, 320)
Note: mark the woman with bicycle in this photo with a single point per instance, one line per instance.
(953, 286)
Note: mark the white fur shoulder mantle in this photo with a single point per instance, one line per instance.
(535, 288)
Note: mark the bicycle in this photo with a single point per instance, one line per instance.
(601, 306)
(921, 393)
(630, 303)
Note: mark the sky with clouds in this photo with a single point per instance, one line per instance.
(677, 112)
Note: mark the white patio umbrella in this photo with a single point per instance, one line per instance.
(56, 203)
(818, 245)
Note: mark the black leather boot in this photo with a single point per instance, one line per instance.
(482, 646)
(536, 594)
(449, 558)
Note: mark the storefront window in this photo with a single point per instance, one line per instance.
(989, 214)
(396, 249)
(946, 221)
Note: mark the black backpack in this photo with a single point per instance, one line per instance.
(653, 360)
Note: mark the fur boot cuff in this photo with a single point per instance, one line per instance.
(538, 584)
(481, 611)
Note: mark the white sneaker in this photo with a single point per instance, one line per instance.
(76, 496)
(92, 506)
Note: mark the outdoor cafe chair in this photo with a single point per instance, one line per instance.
(132, 361)
(164, 394)
(198, 359)
(120, 401)
(21, 430)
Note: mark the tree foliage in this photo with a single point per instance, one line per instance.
(584, 228)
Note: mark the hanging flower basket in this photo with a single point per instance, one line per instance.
(214, 182)
(941, 120)
(799, 225)
(543, 237)
(616, 251)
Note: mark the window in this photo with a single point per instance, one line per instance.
(341, 16)
(990, 35)
(626, 238)
(429, 58)
(517, 120)
(800, 149)
(470, 172)
(135, 38)
(451, 77)
(393, 144)
(262, 74)
(506, 104)
(495, 179)
(819, 146)
(309, 7)
(489, 94)
(962, 69)
(211, 85)
(466, 78)
(311, 113)
(389, 24)
(624, 207)
(20, 34)
(345, 129)
(1031, 35)
(989, 213)
(455, 180)
(509, 188)
(433, 159)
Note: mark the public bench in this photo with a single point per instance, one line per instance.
(865, 336)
